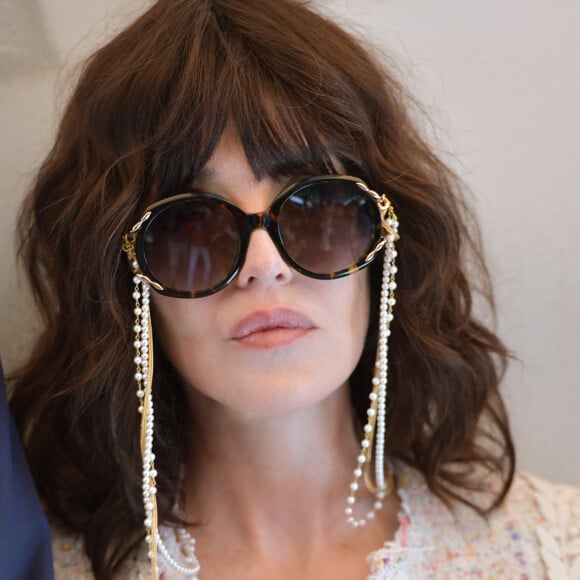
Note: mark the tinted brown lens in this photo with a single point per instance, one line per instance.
(192, 245)
(327, 226)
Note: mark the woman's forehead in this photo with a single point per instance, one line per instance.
(230, 162)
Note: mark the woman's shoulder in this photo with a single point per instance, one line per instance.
(72, 563)
(534, 533)
(554, 509)
(548, 496)
(70, 560)
(539, 521)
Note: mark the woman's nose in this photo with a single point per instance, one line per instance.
(263, 265)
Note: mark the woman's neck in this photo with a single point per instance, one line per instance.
(295, 465)
(269, 493)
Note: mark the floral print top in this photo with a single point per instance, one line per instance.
(533, 535)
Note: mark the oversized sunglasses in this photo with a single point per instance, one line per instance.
(194, 244)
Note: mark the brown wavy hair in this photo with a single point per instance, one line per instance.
(147, 112)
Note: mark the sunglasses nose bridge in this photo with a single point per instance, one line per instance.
(261, 220)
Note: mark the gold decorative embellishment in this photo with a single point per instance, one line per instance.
(388, 216)
(129, 249)
(138, 225)
(129, 246)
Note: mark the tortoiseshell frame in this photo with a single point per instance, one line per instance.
(133, 241)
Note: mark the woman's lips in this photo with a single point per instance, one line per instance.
(271, 328)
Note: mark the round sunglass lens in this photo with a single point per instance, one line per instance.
(192, 245)
(327, 226)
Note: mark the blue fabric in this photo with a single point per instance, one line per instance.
(25, 549)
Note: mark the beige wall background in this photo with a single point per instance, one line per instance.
(501, 81)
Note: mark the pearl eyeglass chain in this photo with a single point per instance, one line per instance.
(375, 428)
(144, 377)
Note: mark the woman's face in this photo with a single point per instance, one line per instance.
(274, 340)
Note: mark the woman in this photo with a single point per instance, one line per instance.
(261, 426)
